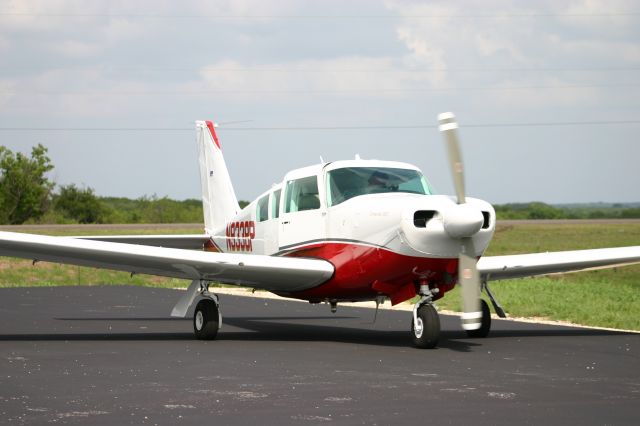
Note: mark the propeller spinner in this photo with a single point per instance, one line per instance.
(468, 276)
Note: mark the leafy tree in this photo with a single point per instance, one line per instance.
(25, 191)
(539, 210)
(79, 204)
(631, 213)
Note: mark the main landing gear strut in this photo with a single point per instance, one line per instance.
(207, 319)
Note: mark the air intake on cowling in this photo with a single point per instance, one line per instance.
(421, 217)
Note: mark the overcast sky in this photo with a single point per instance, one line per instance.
(384, 69)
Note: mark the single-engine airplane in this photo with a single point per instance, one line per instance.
(356, 230)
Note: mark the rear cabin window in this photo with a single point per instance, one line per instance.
(262, 210)
(302, 194)
(275, 204)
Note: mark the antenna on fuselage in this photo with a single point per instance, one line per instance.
(358, 157)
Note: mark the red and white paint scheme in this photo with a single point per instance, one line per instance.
(351, 230)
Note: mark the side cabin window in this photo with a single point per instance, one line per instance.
(302, 194)
(275, 204)
(262, 209)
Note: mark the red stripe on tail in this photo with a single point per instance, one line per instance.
(213, 134)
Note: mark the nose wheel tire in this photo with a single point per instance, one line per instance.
(426, 330)
(206, 320)
(485, 324)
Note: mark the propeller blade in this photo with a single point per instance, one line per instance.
(449, 129)
(468, 275)
(469, 280)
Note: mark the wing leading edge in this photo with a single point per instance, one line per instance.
(258, 271)
(524, 265)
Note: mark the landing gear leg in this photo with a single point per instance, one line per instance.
(496, 305)
(207, 318)
(425, 327)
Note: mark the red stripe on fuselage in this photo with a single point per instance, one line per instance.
(212, 130)
(358, 267)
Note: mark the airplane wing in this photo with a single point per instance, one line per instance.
(180, 241)
(278, 274)
(525, 265)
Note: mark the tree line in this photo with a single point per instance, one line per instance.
(537, 210)
(28, 196)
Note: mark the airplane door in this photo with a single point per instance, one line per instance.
(303, 214)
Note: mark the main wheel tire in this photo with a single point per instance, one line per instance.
(206, 320)
(427, 330)
(485, 323)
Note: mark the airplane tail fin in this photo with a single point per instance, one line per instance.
(219, 200)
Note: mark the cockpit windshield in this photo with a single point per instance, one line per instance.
(349, 182)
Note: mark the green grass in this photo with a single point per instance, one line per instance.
(20, 272)
(606, 298)
(528, 238)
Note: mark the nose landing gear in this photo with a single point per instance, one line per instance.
(425, 326)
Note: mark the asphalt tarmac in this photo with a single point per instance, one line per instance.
(111, 355)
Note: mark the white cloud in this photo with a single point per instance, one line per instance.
(72, 93)
(40, 15)
(118, 30)
(490, 43)
(362, 77)
(254, 8)
(609, 25)
(4, 44)
(74, 48)
(71, 27)
(423, 55)
(601, 51)
(442, 52)
(486, 35)
(6, 93)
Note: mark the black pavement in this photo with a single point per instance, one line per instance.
(111, 355)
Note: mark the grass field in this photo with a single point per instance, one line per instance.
(20, 273)
(606, 298)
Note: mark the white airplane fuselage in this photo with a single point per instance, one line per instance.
(382, 240)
